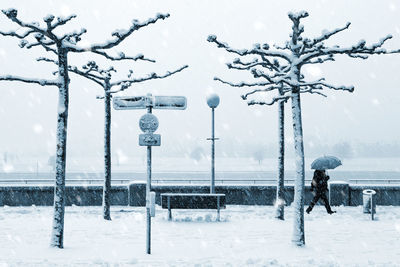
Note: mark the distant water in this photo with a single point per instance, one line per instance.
(187, 168)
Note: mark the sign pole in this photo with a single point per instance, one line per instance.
(148, 123)
(148, 189)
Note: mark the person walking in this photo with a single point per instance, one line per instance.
(319, 187)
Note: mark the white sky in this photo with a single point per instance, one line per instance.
(28, 112)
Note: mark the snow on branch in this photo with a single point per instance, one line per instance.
(45, 59)
(313, 90)
(321, 60)
(14, 34)
(41, 82)
(34, 26)
(74, 37)
(257, 50)
(242, 84)
(359, 50)
(273, 101)
(320, 84)
(93, 77)
(125, 84)
(60, 20)
(327, 34)
(268, 89)
(296, 16)
(121, 56)
(120, 35)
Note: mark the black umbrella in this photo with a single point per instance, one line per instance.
(325, 162)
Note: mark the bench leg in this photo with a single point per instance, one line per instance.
(169, 210)
(218, 215)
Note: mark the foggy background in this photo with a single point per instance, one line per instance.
(349, 125)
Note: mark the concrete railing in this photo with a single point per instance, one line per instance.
(33, 182)
(340, 193)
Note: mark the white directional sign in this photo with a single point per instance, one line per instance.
(129, 102)
(143, 102)
(169, 102)
(149, 139)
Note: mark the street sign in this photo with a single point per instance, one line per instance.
(169, 102)
(129, 102)
(148, 123)
(143, 102)
(149, 139)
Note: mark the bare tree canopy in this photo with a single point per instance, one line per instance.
(280, 64)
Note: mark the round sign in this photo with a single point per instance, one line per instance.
(148, 123)
(213, 100)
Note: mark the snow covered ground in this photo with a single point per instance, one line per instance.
(247, 235)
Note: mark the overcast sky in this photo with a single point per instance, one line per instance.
(370, 114)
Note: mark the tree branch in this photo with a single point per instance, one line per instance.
(242, 84)
(120, 35)
(321, 83)
(60, 20)
(41, 82)
(12, 15)
(360, 50)
(244, 52)
(97, 79)
(327, 34)
(14, 34)
(273, 101)
(244, 97)
(122, 56)
(125, 84)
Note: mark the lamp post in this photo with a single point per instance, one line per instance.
(212, 102)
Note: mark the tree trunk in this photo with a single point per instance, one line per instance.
(107, 153)
(298, 227)
(280, 197)
(57, 235)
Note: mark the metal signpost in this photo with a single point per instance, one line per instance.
(213, 102)
(148, 123)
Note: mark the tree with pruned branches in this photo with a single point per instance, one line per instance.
(275, 67)
(103, 78)
(47, 36)
(297, 52)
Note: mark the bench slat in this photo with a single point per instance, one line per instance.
(192, 201)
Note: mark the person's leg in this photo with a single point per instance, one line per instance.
(326, 203)
(313, 202)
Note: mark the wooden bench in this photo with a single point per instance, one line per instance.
(192, 201)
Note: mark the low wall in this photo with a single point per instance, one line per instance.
(75, 195)
(235, 194)
(340, 193)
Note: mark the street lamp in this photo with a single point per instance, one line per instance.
(212, 102)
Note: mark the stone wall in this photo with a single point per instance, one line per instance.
(340, 193)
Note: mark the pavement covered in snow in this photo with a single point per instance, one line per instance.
(246, 235)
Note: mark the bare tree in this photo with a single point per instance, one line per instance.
(103, 78)
(266, 87)
(296, 53)
(60, 46)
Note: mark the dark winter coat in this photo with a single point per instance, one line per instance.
(319, 182)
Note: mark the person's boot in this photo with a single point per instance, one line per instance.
(332, 211)
(309, 209)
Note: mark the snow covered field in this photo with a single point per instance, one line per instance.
(247, 235)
